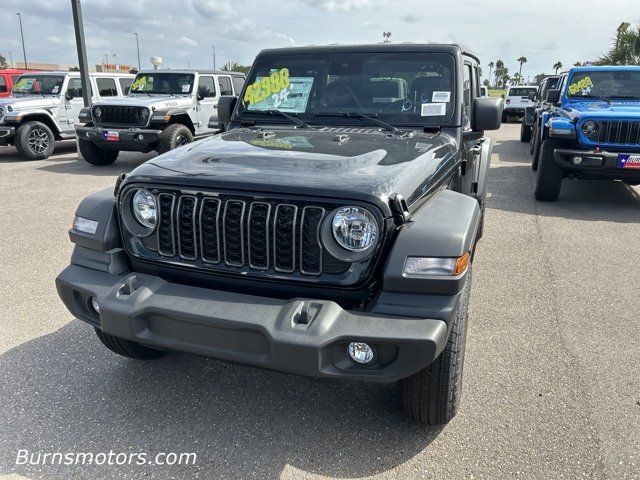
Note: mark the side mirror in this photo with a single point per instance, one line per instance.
(532, 95)
(226, 105)
(199, 96)
(68, 96)
(553, 96)
(487, 114)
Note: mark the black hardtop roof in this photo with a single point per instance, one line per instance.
(452, 48)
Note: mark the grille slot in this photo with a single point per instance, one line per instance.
(242, 234)
(284, 243)
(187, 226)
(122, 115)
(233, 233)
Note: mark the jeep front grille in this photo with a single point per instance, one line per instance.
(619, 132)
(242, 234)
(121, 115)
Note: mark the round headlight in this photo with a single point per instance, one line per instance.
(144, 115)
(97, 112)
(591, 128)
(355, 228)
(144, 208)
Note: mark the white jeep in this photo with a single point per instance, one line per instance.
(44, 106)
(517, 100)
(164, 110)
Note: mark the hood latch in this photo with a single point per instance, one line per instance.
(400, 209)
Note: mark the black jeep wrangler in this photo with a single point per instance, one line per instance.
(329, 232)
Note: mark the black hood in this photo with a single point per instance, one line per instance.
(351, 163)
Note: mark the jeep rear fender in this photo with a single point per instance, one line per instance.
(445, 227)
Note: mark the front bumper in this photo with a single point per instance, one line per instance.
(6, 134)
(594, 164)
(301, 336)
(514, 110)
(130, 139)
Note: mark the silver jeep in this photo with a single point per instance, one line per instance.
(44, 106)
(165, 109)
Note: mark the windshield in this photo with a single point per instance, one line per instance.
(522, 92)
(38, 85)
(398, 88)
(171, 83)
(605, 84)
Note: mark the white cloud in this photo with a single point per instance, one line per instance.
(338, 5)
(187, 41)
(214, 9)
(410, 18)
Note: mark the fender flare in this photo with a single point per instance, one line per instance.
(29, 116)
(99, 207)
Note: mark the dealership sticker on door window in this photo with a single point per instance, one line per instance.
(433, 109)
(441, 97)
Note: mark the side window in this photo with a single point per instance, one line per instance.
(3, 84)
(238, 83)
(75, 87)
(107, 87)
(206, 87)
(225, 86)
(467, 96)
(125, 84)
(14, 78)
(476, 82)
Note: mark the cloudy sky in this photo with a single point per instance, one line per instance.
(182, 31)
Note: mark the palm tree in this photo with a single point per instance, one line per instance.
(521, 61)
(499, 70)
(491, 65)
(625, 50)
(557, 66)
(577, 64)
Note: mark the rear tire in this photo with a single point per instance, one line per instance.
(174, 136)
(432, 395)
(127, 348)
(96, 156)
(525, 133)
(549, 175)
(34, 140)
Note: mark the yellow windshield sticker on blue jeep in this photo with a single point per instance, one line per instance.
(582, 86)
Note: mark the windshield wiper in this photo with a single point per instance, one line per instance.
(626, 97)
(604, 99)
(370, 118)
(291, 118)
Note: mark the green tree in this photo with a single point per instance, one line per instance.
(521, 61)
(74, 69)
(499, 71)
(557, 66)
(236, 67)
(625, 49)
(3, 62)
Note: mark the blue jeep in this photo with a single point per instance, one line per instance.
(592, 131)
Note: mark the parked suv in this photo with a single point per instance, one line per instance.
(326, 233)
(593, 132)
(44, 106)
(164, 110)
(518, 98)
(8, 77)
(532, 113)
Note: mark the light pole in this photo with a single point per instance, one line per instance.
(11, 58)
(214, 56)
(115, 56)
(138, 49)
(24, 52)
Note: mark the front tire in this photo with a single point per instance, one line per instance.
(174, 136)
(34, 140)
(525, 133)
(537, 141)
(432, 395)
(127, 348)
(96, 156)
(549, 175)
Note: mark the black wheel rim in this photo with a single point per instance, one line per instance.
(181, 140)
(38, 140)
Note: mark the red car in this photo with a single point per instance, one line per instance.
(8, 77)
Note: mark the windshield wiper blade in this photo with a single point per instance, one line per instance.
(626, 97)
(604, 99)
(370, 118)
(291, 118)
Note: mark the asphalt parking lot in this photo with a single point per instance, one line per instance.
(551, 382)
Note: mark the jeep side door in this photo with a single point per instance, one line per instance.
(471, 148)
(207, 102)
(73, 102)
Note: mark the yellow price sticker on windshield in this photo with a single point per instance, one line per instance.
(264, 87)
(139, 83)
(580, 85)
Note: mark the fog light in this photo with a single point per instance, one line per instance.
(95, 305)
(577, 160)
(360, 352)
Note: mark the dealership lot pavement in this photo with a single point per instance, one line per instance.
(552, 376)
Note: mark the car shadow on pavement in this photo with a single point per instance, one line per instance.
(77, 166)
(9, 154)
(64, 392)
